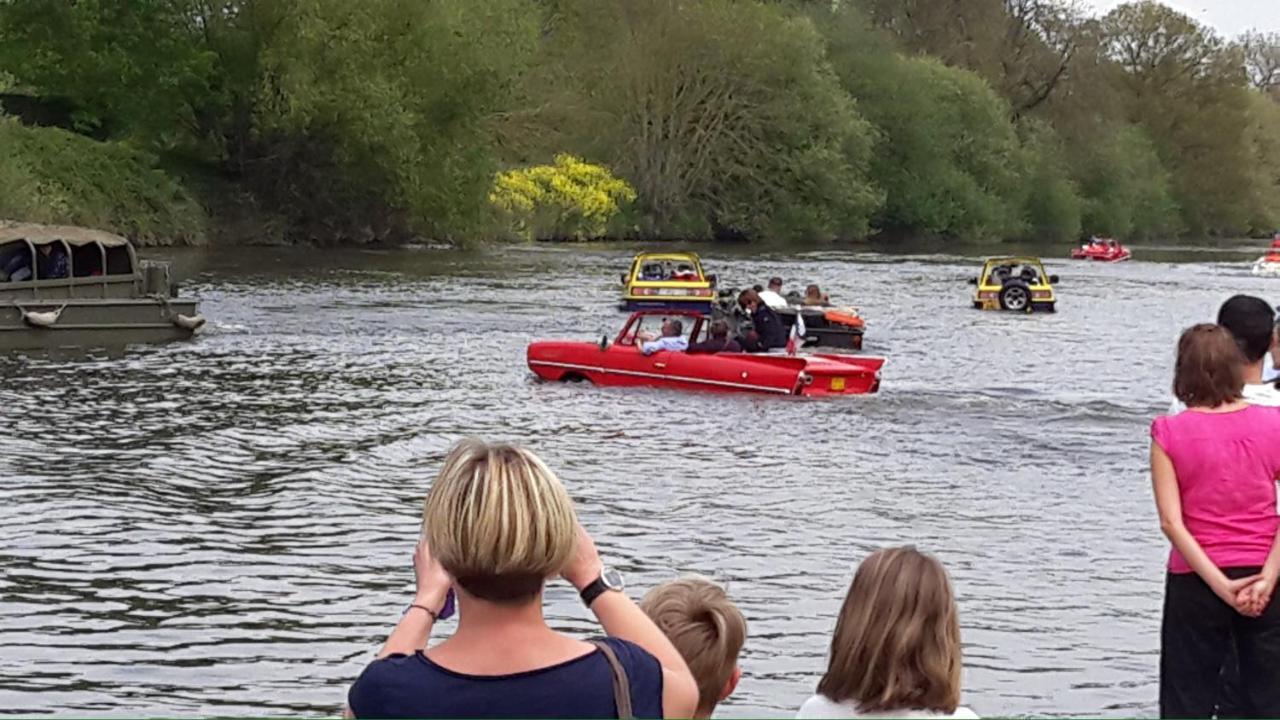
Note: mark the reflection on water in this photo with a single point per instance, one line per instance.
(225, 526)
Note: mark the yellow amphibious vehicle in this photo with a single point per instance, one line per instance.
(667, 280)
(1019, 284)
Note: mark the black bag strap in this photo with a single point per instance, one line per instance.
(621, 685)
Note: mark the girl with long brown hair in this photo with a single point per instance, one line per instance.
(896, 649)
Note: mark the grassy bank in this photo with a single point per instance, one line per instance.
(53, 176)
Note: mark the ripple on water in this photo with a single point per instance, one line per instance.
(225, 526)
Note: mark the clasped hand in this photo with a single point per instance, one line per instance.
(1250, 595)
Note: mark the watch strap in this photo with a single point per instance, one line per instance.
(593, 590)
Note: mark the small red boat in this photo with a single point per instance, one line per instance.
(1102, 250)
(1269, 265)
(623, 364)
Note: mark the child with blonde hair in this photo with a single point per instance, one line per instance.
(707, 629)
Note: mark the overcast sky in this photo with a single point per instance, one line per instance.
(1228, 17)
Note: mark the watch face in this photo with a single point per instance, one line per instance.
(612, 579)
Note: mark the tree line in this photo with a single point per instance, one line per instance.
(786, 120)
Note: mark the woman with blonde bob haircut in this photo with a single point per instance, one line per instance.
(497, 525)
(896, 649)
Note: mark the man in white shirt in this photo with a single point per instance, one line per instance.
(671, 339)
(773, 296)
(1253, 323)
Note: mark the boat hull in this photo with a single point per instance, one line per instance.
(1266, 268)
(94, 323)
(819, 331)
(1102, 257)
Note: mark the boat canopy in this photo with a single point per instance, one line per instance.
(38, 234)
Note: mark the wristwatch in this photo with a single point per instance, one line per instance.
(609, 579)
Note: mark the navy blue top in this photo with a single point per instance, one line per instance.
(411, 686)
(769, 327)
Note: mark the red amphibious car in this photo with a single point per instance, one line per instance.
(622, 364)
(1102, 250)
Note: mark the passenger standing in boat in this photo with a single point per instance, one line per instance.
(773, 296)
(813, 296)
(896, 648)
(1214, 468)
(708, 630)
(497, 525)
(17, 265)
(718, 342)
(767, 330)
(51, 262)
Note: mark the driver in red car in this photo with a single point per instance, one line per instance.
(671, 338)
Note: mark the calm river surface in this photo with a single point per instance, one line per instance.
(225, 526)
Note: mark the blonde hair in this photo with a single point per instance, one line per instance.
(499, 521)
(897, 642)
(706, 628)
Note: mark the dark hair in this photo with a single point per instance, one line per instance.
(775, 281)
(1252, 322)
(676, 325)
(1210, 368)
(746, 297)
(719, 328)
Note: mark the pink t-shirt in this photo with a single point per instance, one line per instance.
(1227, 465)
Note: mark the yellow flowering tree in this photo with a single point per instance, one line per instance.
(570, 199)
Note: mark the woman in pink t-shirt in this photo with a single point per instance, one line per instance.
(1214, 468)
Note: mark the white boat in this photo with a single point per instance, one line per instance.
(1268, 266)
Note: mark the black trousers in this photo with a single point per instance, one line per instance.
(1200, 636)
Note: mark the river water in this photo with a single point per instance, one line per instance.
(225, 526)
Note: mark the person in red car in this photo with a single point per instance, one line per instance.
(670, 339)
(718, 342)
(767, 330)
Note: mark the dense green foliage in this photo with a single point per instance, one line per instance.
(54, 176)
(778, 119)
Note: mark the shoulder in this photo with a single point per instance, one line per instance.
(1164, 425)
(964, 713)
(644, 675)
(632, 656)
(378, 677)
(820, 706)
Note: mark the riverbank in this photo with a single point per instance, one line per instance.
(51, 175)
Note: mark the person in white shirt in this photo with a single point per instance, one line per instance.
(669, 340)
(896, 648)
(773, 296)
(1253, 324)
